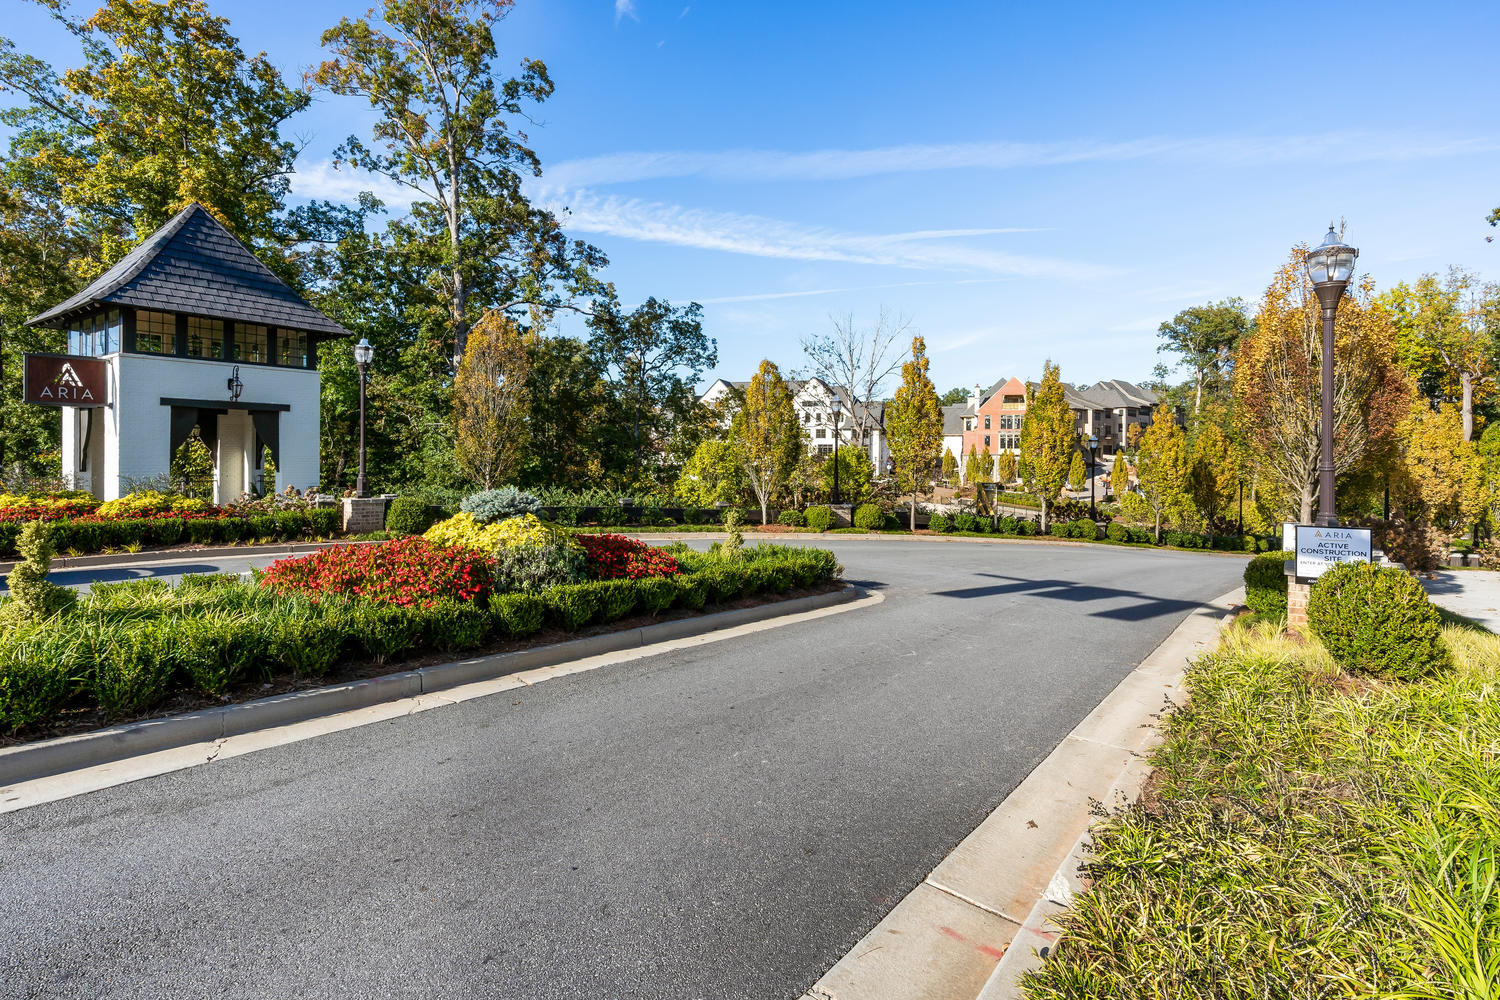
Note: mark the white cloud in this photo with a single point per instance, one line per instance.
(759, 236)
(841, 164)
(625, 8)
(684, 12)
(765, 296)
(320, 179)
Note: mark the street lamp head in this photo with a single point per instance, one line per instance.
(363, 352)
(1093, 440)
(1332, 261)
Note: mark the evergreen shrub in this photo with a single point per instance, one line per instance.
(490, 506)
(792, 518)
(1377, 620)
(939, 523)
(869, 517)
(408, 516)
(820, 517)
(1265, 584)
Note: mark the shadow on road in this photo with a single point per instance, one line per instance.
(84, 576)
(1144, 606)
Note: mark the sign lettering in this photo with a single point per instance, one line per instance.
(66, 380)
(1319, 548)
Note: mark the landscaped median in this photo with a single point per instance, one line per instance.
(1323, 820)
(127, 649)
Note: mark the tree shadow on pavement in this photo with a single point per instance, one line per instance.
(1144, 606)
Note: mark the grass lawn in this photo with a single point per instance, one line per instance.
(1307, 833)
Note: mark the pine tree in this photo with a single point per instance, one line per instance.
(914, 426)
(1162, 467)
(1047, 440)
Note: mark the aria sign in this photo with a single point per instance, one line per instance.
(66, 380)
(1319, 548)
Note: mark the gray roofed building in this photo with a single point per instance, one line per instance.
(193, 265)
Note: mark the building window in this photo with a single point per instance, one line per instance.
(822, 433)
(986, 441)
(205, 338)
(986, 421)
(825, 449)
(97, 334)
(251, 343)
(291, 348)
(155, 332)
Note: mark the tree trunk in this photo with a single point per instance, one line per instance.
(1044, 515)
(1158, 527)
(764, 516)
(914, 511)
(1467, 381)
(1308, 497)
(1198, 400)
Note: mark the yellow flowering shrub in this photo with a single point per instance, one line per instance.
(462, 531)
(150, 503)
(66, 502)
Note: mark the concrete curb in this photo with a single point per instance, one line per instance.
(69, 753)
(850, 536)
(972, 926)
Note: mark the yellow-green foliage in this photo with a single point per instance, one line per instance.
(462, 531)
(150, 503)
(67, 500)
(1310, 834)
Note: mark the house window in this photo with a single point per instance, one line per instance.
(986, 442)
(205, 337)
(291, 348)
(825, 449)
(251, 343)
(822, 432)
(986, 421)
(155, 332)
(96, 335)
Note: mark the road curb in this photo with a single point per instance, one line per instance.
(969, 929)
(1072, 543)
(70, 753)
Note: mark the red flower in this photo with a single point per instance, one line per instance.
(409, 571)
(612, 557)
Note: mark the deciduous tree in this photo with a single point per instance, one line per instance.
(1005, 468)
(914, 427)
(1444, 470)
(1205, 338)
(1119, 475)
(1214, 475)
(767, 438)
(950, 466)
(859, 361)
(1047, 440)
(1076, 472)
(1162, 467)
(490, 401)
(1448, 337)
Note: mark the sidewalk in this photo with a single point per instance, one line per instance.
(1473, 593)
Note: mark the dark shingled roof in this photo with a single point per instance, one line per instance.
(194, 265)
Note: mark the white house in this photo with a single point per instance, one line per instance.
(190, 333)
(813, 399)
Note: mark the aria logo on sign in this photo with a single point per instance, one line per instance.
(66, 380)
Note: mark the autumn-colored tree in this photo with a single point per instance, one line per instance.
(1444, 472)
(1047, 440)
(914, 427)
(1448, 338)
(950, 466)
(712, 475)
(1162, 467)
(1488, 447)
(447, 131)
(1277, 384)
(1213, 476)
(1005, 467)
(1119, 475)
(767, 438)
(490, 400)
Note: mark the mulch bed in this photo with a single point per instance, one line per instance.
(87, 718)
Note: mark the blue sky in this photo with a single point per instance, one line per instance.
(1021, 181)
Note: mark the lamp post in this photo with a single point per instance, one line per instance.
(363, 355)
(838, 411)
(1329, 267)
(1093, 472)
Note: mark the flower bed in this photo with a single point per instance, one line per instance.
(613, 557)
(127, 647)
(93, 534)
(408, 572)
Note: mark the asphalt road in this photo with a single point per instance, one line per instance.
(713, 823)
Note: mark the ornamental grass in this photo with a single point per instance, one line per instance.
(1307, 833)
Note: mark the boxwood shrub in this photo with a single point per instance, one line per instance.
(1265, 584)
(1377, 620)
(869, 517)
(819, 518)
(409, 516)
(792, 518)
(939, 523)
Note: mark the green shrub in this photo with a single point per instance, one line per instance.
(869, 517)
(792, 518)
(1377, 620)
(34, 681)
(940, 523)
(534, 568)
(386, 630)
(408, 516)
(573, 605)
(134, 670)
(33, 596)
(656, 594)
(1083, 528)
(692, 591)
(617, 598)
(724, 583)
(518, 614)
(820, 518)
(450, 625)
(305, 642)
(1117, 532)
(1265, 584)
(965, 522)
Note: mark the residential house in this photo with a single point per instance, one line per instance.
(1109, 409)
(822, 423)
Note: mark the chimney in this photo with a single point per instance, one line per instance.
(974, 397)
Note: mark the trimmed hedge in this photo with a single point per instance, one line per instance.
(409, 516)
(939, 523)
(1265, 583)
(869, 517)
(792, 518)
(130, 645)
(819, 518)
(1377, 620)
(95, 536)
